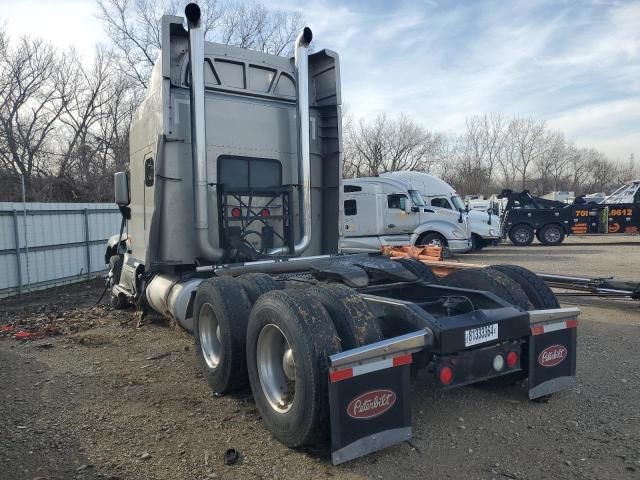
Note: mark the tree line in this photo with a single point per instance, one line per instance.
(64, 122)
(491, 153)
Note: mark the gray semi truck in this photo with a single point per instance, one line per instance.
(231, 222)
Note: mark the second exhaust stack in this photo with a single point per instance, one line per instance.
(304, 151)
(199, 135)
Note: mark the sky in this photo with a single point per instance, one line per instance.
(574, 64)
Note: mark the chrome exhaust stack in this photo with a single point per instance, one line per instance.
(304, 151)
(199, 134)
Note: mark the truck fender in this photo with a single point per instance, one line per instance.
(112, 246)
(443, 228)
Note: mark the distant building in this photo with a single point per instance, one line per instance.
(559, 196)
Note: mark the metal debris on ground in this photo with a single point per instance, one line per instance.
(51, 320)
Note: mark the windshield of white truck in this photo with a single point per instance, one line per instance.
(416, 198)
(458, 203)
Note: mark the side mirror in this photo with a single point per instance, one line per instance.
(121, 188)
(407, 207)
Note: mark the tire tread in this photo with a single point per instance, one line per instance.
(539, 294)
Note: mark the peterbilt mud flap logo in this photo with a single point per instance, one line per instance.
(371, 404)
(552, 355)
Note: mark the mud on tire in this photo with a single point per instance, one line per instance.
(490, 281)
(540, 295)
(298, 418)
(355, 324)
(220, 313)
(255, 284)
(419, 269)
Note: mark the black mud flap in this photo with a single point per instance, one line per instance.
(370, 406)
(552, 357)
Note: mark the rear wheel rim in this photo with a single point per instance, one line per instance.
(210, 342)
(276, 368)
(552, 235)
(522, 235)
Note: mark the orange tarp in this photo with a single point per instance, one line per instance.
(429, 255)
(427, 252)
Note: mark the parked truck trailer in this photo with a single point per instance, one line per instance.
(232, 216)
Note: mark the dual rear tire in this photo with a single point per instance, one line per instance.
(279, 341)
(489, 280)
(289, 340)
(514, 284)
(521, 235)
(221, 309)
(550, 234)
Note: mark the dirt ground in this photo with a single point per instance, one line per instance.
(106, 399)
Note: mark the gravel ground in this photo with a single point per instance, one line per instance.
(108, 399)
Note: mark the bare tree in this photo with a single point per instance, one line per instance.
(386, 145)
(134, 28)
(552, 166)
(508, 164)
(627, 171)
(34, 92)
(483, 142)
(64, 124)
(527, 136)
(578, 168)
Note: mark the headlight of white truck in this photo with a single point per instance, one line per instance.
(493, 233)
(459, 234)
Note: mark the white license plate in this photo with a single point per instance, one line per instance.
(483, 334)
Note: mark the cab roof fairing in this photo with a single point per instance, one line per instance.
(428, 185)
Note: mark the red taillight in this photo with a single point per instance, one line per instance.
(445, 375)
(265, 212)
(236, 212)
(512, 359)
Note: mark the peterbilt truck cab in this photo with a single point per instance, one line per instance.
(232, 211)
(387, 211)
(443, 199)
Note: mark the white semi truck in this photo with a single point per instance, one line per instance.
(232, 211)
(387, 211)
(442, 198)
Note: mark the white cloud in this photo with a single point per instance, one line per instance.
(576, 65)
(608, 126)
(63, 23)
